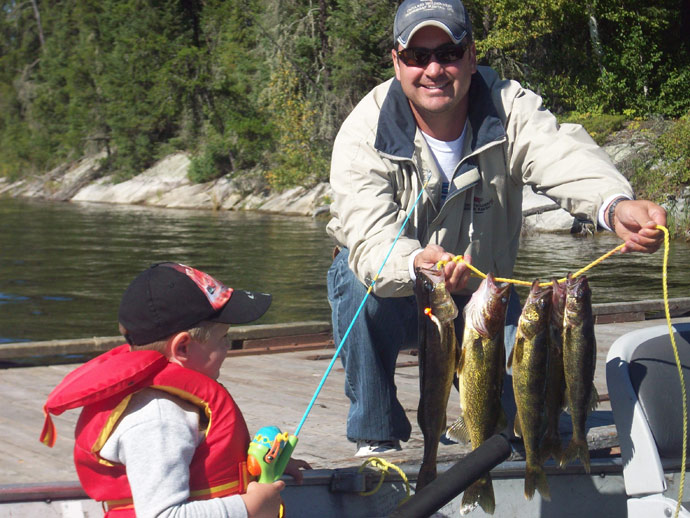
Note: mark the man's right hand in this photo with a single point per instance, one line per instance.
(263, 500)
(457, 274)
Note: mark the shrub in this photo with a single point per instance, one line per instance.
(673, 147)
(599, 125)
(665, 176)
(212, 162)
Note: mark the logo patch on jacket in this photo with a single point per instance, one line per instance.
(480, 206)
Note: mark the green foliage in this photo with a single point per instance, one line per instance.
(509, 28)
(599, 125)
(361, 36)
(666, 172)
(678, 218)
(674, 148)
(265, 84)
(299, 160)
(674, 98)
(240, 148)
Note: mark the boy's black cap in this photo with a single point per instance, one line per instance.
(171, 297)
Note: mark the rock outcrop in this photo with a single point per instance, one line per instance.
(166, 185)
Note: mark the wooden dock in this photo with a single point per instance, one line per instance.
(271, 389)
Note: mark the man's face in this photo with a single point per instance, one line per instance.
(435, 88)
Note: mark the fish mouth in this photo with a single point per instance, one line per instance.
(491, 296)
(540, 295)
(577, 287)
(496, 289)
(432, 274)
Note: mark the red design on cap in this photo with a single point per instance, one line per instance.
(216, 292)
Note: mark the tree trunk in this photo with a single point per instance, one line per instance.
(594, 36)
(37, 14)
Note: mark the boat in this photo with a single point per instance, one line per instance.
(341, 486)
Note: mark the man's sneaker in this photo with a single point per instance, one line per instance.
(368, 448)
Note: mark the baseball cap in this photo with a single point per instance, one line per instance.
(171, 297)
(449, 15)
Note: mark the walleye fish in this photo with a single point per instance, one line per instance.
(438, 357)
(579, 361)
(480, 375)
(555, 381)
(529, 359)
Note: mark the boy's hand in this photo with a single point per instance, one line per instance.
(263, 500)
(293, 469)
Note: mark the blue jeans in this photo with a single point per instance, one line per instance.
(384, 327)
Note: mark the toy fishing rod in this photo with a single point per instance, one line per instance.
(366, 296)
(270, 450)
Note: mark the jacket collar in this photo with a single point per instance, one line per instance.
(397, 128)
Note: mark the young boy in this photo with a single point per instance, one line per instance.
(158, 436)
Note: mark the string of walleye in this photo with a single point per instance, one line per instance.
(552, 361)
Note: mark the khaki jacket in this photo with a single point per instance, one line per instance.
(381, 161)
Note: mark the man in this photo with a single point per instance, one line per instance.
(478, 140)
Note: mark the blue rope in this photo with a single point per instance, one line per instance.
(347, 333)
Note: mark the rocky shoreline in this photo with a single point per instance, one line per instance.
(167, 185)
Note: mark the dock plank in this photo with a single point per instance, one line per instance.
(272, 389)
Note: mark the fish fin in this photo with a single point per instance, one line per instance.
(516, 353)
(594, 399)
(480, 493)
(577, 448)
(458, 431)
(461, 360)
(535, 479)
(517, 430)
(563, 461)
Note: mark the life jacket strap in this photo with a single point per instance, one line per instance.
(234, 487)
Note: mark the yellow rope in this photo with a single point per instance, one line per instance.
(459, 258)
(680, 369)
(383, 466)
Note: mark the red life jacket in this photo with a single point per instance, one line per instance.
(104, 387)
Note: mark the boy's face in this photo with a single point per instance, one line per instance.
(207, 357)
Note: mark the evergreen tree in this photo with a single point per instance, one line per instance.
(260, 87)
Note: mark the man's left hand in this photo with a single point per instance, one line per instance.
(635, 223)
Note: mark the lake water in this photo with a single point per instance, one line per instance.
(64, 266)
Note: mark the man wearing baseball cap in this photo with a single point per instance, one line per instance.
(468, 141)
(158, 434)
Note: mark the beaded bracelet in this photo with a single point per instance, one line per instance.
(612, 210)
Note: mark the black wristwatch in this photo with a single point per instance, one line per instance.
(612, 210)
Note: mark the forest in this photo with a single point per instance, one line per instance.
(260, 87)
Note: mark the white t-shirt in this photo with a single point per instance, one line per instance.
(447, 155)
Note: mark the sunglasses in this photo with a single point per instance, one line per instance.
(420, 56)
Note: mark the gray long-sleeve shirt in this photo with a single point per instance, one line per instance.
(156, 439)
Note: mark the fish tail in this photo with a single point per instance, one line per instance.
(535, 479)
(577, 448)
(427, 474)
(551, 447)
(480, 493)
